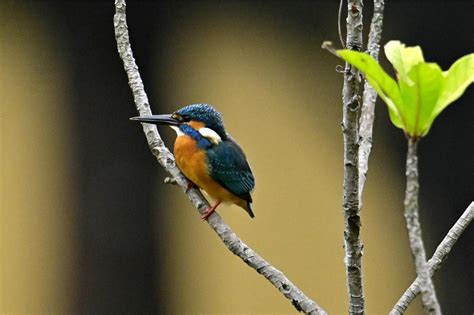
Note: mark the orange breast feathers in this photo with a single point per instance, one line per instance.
(191, 160)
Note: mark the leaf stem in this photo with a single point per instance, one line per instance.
(429, 299)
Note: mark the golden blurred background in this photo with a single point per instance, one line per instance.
(88, 227)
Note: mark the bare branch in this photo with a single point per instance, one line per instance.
(437, 260)
(351, 107)
(369, 97)
(299, 300)
(428, 293)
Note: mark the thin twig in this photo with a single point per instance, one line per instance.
(299, 300)
(339, 28)
(437, 260)
(366, 121)
(329, 47)
(350, 128)
(428, 293)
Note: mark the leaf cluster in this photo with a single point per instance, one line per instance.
(423, 90)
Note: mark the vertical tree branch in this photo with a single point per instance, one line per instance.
(351, 107)
(437, 260)
(369, 97)
(299, 300)
(430, 302)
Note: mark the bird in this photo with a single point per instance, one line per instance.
(208, 156)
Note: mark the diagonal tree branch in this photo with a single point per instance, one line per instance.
(437, 260)
(350, 128)
(299, 300)
(366, 121)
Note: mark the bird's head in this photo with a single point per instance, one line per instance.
(201, 117)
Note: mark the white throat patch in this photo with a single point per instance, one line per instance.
(178, 131)
(210, 134)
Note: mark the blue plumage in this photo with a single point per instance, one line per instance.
(226, 160)
(206, 114)
(202, 142)
(208, 156)
(228, 166)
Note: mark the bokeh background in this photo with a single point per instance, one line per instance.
(87, 225)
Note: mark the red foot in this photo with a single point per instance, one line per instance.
(210, 211)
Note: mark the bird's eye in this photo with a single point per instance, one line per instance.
(177, 117)
(185, 118)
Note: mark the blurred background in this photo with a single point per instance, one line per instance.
(87, 225)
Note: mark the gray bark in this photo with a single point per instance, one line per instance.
(368, 98)
(428, 294)
(299, 300)
(350, 128)
(437, 260)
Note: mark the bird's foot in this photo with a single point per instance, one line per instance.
(206, 214)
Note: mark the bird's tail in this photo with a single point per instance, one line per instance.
(249, 209)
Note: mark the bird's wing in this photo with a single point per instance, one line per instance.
(228, 166)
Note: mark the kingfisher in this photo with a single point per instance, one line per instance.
(208, 156)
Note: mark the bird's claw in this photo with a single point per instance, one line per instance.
(207, 213)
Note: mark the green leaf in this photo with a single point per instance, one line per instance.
(421, 96)
(423, 90)
(457, 79)
(385, 86)
(403, 58)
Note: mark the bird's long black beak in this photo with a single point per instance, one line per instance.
(165, 119)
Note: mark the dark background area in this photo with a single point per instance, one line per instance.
(118, 228)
